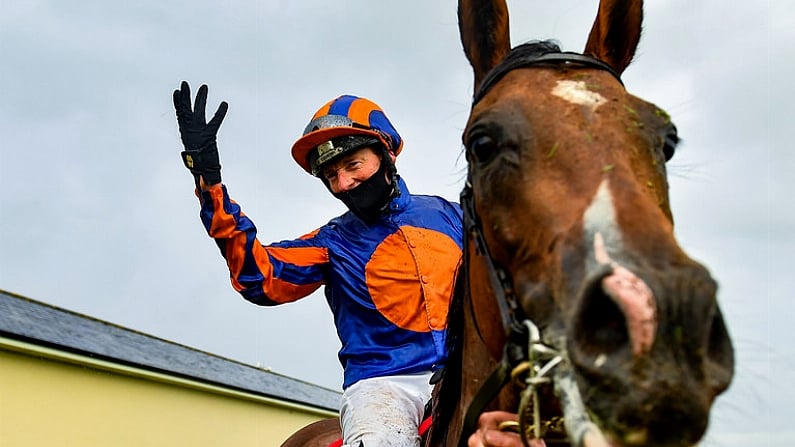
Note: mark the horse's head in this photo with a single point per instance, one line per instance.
(568, 193)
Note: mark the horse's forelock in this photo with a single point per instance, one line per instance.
(533, 48)
(526, 51)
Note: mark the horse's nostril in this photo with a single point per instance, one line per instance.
(720, 354)
(602, 325)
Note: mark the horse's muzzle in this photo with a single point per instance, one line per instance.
(650, 352)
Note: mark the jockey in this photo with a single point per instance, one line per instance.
(387, 265)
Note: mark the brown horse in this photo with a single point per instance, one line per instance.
(328, 433)
(323, 433)
(577, 306)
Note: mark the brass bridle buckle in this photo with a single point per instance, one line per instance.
(530, 375)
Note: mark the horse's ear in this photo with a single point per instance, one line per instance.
(615, 32)
(483, 25)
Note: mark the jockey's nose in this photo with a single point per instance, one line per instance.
(344, 181)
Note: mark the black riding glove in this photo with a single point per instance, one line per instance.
(201, 151)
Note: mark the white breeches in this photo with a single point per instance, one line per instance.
(385, 411)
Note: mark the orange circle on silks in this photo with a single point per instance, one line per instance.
(410, 278)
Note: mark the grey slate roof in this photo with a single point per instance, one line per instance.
(39, 323)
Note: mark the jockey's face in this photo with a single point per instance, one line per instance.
(349, 170)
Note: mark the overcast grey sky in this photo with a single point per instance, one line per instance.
(97, 213)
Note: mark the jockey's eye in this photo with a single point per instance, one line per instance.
(670, 141)
(353, 165)
(329, 174)
(482, 147)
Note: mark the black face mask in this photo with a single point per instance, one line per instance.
(370, 199)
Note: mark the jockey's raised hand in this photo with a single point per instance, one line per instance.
(199, 137)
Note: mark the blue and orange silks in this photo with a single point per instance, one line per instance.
(388, 284)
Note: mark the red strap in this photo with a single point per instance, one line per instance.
(424, 426)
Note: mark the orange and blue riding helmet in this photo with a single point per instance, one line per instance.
(360, 121)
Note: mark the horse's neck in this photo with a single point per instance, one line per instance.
(483, 338)
(483, 318)
(476, 364)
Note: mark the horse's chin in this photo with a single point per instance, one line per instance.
(595, 438)
(610, 441)
(636, 439)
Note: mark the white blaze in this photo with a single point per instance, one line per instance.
(577, 92)
(599, 220)
(630, 292)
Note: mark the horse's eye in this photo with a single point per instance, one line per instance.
(670, 141)
(483, 148)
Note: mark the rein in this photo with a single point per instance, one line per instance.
(524, 351)
(526, 361)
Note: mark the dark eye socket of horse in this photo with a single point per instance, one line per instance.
(670, 141)
(482, 148)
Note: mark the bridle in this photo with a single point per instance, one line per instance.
(527, 361)
(558, 59)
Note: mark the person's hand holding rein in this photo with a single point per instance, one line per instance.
(199, 137)
(489, 434)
